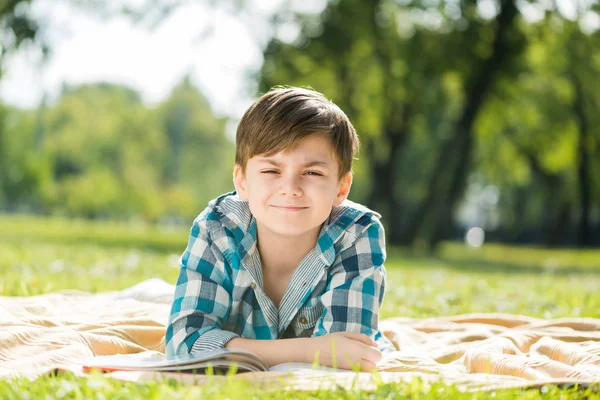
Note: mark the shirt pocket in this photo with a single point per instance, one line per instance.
(308, 316)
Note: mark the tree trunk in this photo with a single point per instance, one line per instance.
(397, 141)
(396, 128)
(445, 221)
(559, 223)
(584, 229)
(463, 129)
(384, 178)
(556, 209)
(433, 189)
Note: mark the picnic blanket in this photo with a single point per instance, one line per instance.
(62, 330)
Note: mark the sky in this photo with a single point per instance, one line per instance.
(89, 48)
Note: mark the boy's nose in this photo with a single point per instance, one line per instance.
(290, 187)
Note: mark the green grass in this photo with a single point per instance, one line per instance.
(25, 228)
(43, 255)
(67, 386)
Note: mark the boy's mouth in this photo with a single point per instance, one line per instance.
(290, 208)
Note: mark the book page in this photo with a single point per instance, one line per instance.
(192, 361)
(304, 367)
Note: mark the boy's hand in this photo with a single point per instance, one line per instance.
(346, 350)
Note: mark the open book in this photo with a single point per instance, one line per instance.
(219, 361)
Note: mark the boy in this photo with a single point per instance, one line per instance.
(285, 266)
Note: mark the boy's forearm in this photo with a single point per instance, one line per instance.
(277, 351)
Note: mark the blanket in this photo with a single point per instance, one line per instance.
(62, 330)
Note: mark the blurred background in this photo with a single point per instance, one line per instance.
(478, 119)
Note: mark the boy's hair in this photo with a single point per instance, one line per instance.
(282, 117)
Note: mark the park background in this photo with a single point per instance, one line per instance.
(471, 113)
(478, 122)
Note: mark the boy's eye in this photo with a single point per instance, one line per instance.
(273, 171)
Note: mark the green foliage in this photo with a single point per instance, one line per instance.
(406, 73)
(99, 152)
(447, 98)
(201, 158)
(16, 25)
(528, 132)
(21, 173)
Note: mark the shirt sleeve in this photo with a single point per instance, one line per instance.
(202, 300)
(355, 288)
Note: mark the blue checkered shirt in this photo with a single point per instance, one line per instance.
(337, 287)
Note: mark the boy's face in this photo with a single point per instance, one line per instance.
(291, 193)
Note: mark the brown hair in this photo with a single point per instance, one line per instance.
(282, 117)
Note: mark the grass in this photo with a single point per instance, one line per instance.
(68, 386)
(43, 255)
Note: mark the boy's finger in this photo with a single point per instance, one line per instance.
(361, 337)
(367, 366)
(372, 354)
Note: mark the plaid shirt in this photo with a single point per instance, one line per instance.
(337, 287)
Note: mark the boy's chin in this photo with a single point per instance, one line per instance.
(293, 231)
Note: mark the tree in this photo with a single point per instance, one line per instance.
(538, 118)
(421, 80)
(199, 156)
(401, 90)
(16, 29)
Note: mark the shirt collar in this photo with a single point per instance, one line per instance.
(236, 216)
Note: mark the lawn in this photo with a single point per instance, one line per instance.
(43, 255)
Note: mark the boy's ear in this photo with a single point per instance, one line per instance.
(239, 181)
(344, 189)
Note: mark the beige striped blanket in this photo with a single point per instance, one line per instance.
(62, 330)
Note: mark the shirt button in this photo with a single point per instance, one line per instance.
(303, 320)
(253, 285)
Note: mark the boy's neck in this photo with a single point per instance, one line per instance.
(282, 254)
